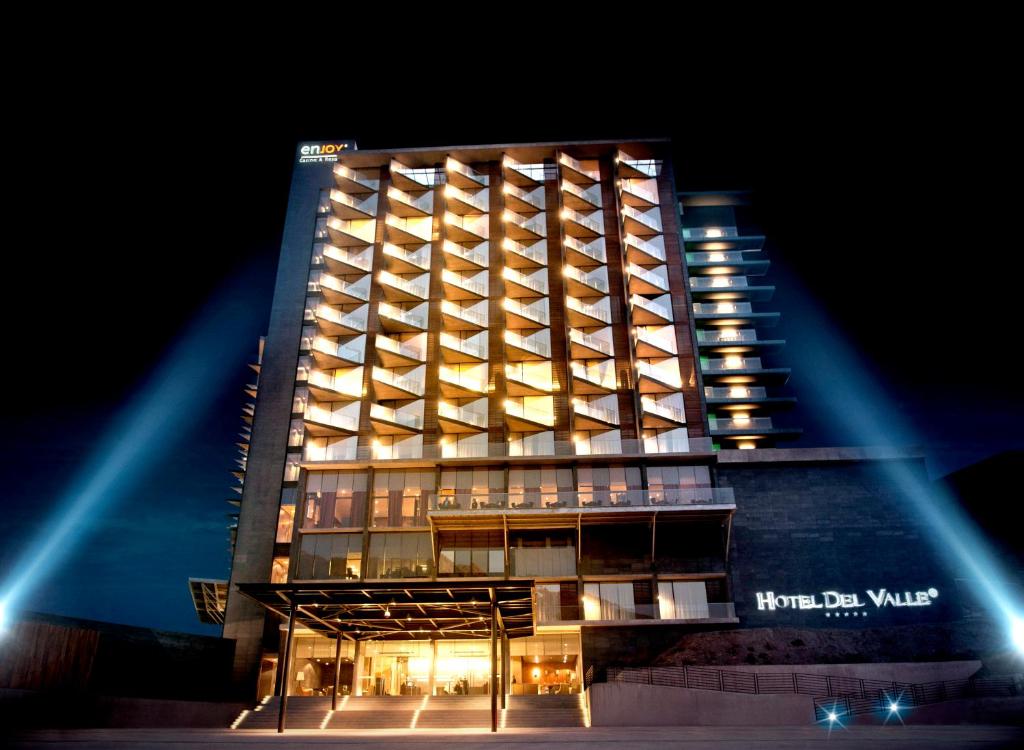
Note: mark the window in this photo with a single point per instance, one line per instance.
(471, 553)
(682, 600)
(618, 601)
(400, 556)
(330, 556)
(335, 499)
(400, 498)
(557, 601)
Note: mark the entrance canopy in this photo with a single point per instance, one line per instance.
(414, 610)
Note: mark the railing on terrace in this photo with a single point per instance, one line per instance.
(540, 500)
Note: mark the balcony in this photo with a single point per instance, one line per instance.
(523, 382)
(341, 261)
(581, 198)
(327, 385)
(396, 354)
(732, 314)
(656, 415)
(645, 252)
(469, 229)
(636, 168)
(351, 233)
(521, 418)
(518, 315)
(415, 178)
(396, 320)
(641, 223)
(520, 256)
(388, 384)
(644, 281)
(592, 380)
(738, 369)
(645, 312)
(388, 421)
(730, 364)
(656, 344)
(739, 425)
(457, 318)
(639, 193)
(461, 384)
(337, 291)
(459, 419)
(525, 227)
(580, 284)
(524, 200)
(461, 258)
(580, 172)
(729, 262)
(459, 287)
(709, 233)
(346, 206)
(735, 341)
(584, 346)
(735, 393)
(412, 230)
(522, 348)
(321, 422)
(728, 288)
(455, 349)
(539, 501)
(579, 225)
(399, 289)
(460, 202)
(523, 175)
(657, 379)
(588, 416)
(404, 260)
(338, 323)
(406, 205)
(582, 315)
(330, 354)
(463, 176)
(520, 285)
(583, 254)
(353, 181)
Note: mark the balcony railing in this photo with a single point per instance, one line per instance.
(477, 202)
(736, 392)
(358, 290)
(650, 219)
(461, 414)
(404, 316)
(450, 308)
(592, 280)
(361, 206)
(356, 179)
(539, 285)
(605, 378)
(390, 377)
(641, 167)
(533, 198)
(577, 168)
(591, 196)
(651, 306)
(535, 225)
(334, 383)
(514, 371)
(649, 248)
(730, 363)
(658, 340)
(471, 175)
(419, 258)
(595, 226)
(722, 308)
(474, 287)
(355, 321)
(540, 416)
(387, 414)
(581, 500)
(470, 227)
(593, 250)
(718, 282)
(752, 424)
(717, 256)
(635, 187)
(419, 229)
(528, 449)
(363, 260)
(536, 253)
(465, 346)
(708, 233)
(742, 336)
(654, 279)
(587, 409)
(425, 177)
(672, 413)
(591, 342)
(397, 347)
(540, 348)
(409, 287)
(334, 349)
(531, 172)
(462, 379)
(336, 419)
(662, 375)
(536, 314)
(472, 255)
(592, 311)
(403, 202)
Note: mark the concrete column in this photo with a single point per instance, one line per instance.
(357, 668)
(282, 710)
(337, 672)
(494, 668)
(432, 680)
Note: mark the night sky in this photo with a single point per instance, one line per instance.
(879, 191)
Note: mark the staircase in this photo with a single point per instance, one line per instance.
(416, 712)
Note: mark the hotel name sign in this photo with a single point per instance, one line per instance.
(842, 604)
(316, 153)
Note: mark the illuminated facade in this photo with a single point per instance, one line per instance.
(501, 362)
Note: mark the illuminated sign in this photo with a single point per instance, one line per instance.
(316, 153)
(840, 604)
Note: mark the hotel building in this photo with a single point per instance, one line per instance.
(497, 391)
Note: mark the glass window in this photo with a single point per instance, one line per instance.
(400, 498)
(400, 556)
(471, 553)
(618, 601)
(330, 556)
(335, 499)
(557, 601)
(286, 516)
(682, 600)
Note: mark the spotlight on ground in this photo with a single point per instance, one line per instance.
(894, 708)
(1017, 633)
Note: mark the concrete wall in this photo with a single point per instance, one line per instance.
(626, 705)
(889, 671)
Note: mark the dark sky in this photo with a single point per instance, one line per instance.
(887, 193)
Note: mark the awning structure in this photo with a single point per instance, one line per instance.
(410, 610)
(419, 610)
